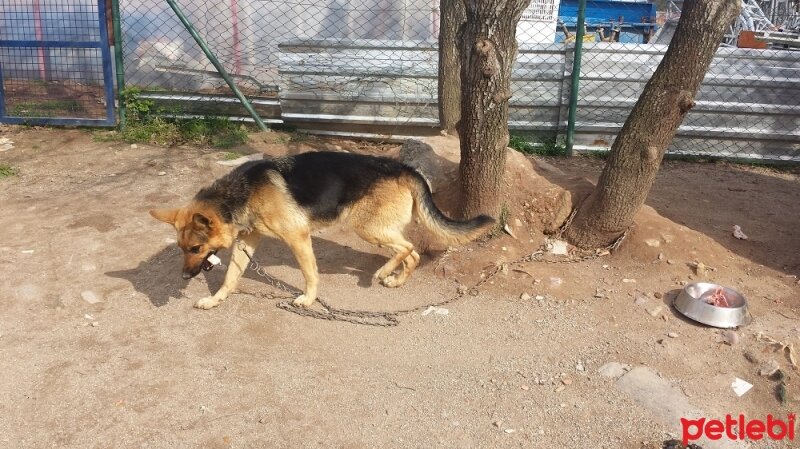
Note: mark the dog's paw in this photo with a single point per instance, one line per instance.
(391, 281)
(207, 303)
(303, 301)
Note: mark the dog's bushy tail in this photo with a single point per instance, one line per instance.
(451, 232)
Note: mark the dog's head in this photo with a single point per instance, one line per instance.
(201, 233)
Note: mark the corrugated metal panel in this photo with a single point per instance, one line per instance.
(746, 106)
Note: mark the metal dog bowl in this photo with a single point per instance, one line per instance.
(690, 302)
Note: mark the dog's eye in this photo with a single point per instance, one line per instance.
(195, 249)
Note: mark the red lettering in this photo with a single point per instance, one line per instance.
(686, 425)
(741, 427)
(729, 423)
(771, 423)
(714, 429)
(755, 430)
(791, 426)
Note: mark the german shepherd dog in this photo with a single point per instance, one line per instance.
(289, 197)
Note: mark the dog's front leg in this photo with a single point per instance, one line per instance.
(239, 263)
(300, 244)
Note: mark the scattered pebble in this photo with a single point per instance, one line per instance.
(556, 282)
(560, 388)
(525, 388)
(509, 431)
(655, 311)
(90, 297)
(539, 297)
(640, 298)
(730, 337)
(658, 295)
(660, 256)
(672, 335)
(95, 324)
(750, 357)
(670, 262)
(134, 146)
(768, 368)
(566, 381)
(162, 173)
(629, 281)
(579, 367)
(497, 424)
(525, 296)
(700, 269)
(655, 243)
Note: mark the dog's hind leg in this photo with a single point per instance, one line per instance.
(300, 244)
(403, 251)
(239, 263)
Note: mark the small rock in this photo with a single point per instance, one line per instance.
(461, 289)
(95, 324)
(700, 269)
(509, 431)
(556, 282)
(525, 297)
(660, 256)
(162, 173)
(134, 146)
(90, 297)
(629, 281)
(539, 297)
(730, 337)
(579, 367)
(613, 370)
(262, 421)
(525, 388)
(560, 388)
(768, 368)
(566, 381)
(750, 357)
(558, 247)
(672, 334)
(654, 312)
(640, 298)
(670, 262)
(517, 223)
(658, 295)
(655, 243)
(497, 424)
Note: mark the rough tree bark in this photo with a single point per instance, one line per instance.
(488, 46)
(451, 19)
(639, 148)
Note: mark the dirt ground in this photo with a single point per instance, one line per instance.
(142, 368)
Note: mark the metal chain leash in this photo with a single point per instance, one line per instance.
(391, 319)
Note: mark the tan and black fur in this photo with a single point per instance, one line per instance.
(290, 197)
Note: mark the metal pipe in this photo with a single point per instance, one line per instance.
(119, 66)
(228, 80)
(576, 77)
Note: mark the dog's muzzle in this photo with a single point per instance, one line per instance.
(210, 261)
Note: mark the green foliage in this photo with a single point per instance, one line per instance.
(540, 145)
(7, 171)
(50, 108)
(145, 125)
(231, 155)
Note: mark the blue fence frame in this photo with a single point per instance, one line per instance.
(108, 81)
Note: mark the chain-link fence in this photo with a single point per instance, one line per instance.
(55, 62)
(369, 68)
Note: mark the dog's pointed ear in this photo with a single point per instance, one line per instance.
(165, 215)
(201, 221)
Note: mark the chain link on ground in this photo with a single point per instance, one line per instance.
(392, 318)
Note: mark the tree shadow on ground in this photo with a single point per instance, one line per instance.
(159, 277)
(710, 198)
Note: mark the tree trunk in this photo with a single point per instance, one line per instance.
(639, 148)
(488, 47)
(451, 20)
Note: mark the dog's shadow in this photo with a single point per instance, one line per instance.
(159, 277)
